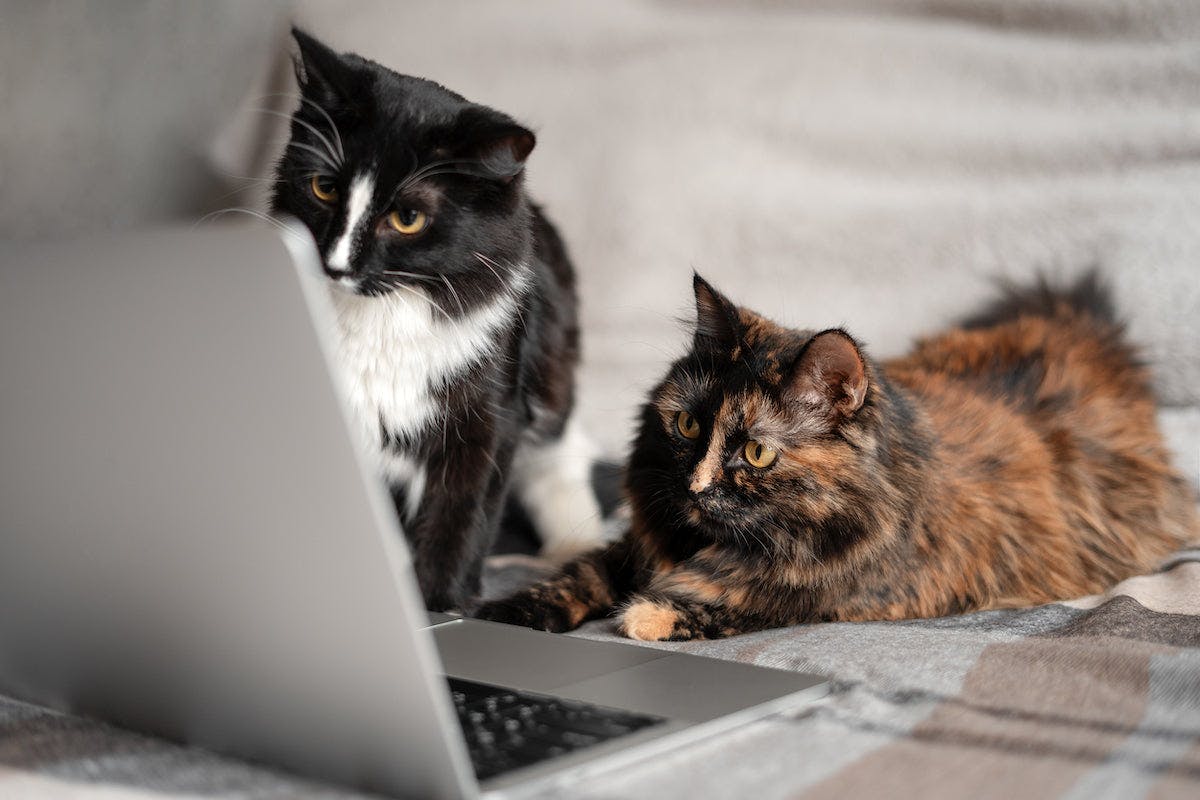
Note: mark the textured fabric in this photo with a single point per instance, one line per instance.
(1092, 699)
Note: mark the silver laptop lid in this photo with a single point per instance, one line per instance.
(168, 426)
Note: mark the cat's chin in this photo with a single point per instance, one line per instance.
(717, 525)
(345, 284)
(358, 287)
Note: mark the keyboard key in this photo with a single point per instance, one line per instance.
(506, 729)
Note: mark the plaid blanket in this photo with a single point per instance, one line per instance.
(1097, 697)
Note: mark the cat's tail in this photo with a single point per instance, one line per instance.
(1089, 295)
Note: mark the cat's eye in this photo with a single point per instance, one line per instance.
(759, 455)
(408, 221)
(324, 188)
(689, 426)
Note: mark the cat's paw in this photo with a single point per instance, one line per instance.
(648, 621)
(527, 612)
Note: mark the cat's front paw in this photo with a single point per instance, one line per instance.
(649, 621)
(526, 611)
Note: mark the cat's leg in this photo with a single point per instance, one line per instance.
(690, 603)
(587, 587)
(457, 521)
(655, 618)
(553, 483)
(444, 549)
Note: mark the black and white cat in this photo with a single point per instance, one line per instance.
(456, 309)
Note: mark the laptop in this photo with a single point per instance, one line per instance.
(193, 547)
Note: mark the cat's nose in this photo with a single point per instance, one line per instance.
(705, 475)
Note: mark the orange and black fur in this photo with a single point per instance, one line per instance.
(782, 477)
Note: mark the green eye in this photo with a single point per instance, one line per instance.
(758, 455)
(689, 427)
(324, 188)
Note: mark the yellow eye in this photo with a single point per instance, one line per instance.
(759, 456)
(409, 221)
(324, 189)
(689, 428)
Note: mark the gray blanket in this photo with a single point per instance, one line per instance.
(1098, 697)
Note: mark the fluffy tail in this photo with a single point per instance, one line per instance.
(1088, 295)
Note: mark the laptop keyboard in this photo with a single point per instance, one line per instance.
(506, 728)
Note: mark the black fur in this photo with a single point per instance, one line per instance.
(462, 164)
(1089, 294)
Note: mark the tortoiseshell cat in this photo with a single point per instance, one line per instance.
(781, 477)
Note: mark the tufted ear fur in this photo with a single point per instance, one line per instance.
(717, 323)
(831, 374)
(320, 71)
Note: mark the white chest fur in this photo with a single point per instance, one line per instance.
(396, 352)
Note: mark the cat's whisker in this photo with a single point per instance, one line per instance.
(233, 176)
(249, 186)
(325, 158)
(421, 171)
(491, 265)
(461, 308)
(410, 179)
(417, 174)
(333, 156)
(404, 274)
(662, 351)
(332, 125)
(768, 544)
(424, 297)
(435, 172)
(438, 168)
(249, 212)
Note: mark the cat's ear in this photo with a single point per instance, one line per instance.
(500, 144)
(831, 374)
(504, 156)
(319, 69)
(717, 322)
